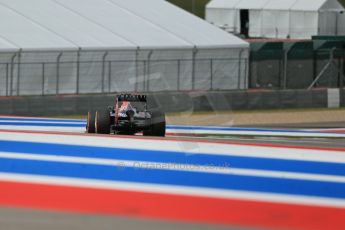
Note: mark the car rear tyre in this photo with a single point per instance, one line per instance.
(90, 125)
(102, 122)
(158, 124)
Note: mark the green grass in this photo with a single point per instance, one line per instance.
(198, 9)
(342, 2)
(199, 6)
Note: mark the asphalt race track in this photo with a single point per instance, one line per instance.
(54, 176)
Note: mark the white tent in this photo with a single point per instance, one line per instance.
(314, 17)
(223, 14)
(283, 18)
(124, 44)
(254, 10)
(276, 18)
(228, 13)
(341, 24)
(105, 23)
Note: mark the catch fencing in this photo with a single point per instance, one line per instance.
(271, 65)
(297, 65)
(83, 72)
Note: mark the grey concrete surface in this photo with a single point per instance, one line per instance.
(286, 141)
(26, 219)
(311, 125)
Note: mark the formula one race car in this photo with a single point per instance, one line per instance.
(130, 115)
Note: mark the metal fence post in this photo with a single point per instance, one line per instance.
(12, 72)
(109, 76)
(315, 54)
(58, 72)
(195, 51)
(136, 69)
(7, 72)
(103, 69)
(285, 68)
(148, 71)
(78, 69)
(342, 72)
(339, 74)
(18, 71)
(246, 64)
(144, 78)
(178, 74)
(43, 77)
(239, 69)
(211, 72)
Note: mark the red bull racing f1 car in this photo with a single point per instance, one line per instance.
(128, 116)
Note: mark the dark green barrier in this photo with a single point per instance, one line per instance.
(266, 65)
(300, 65)
(169, 102)
(295, 65)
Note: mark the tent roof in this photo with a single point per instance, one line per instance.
(308, 5)
(222, 4)
(333, 5)
(251, 4)
(6, 46)
(279, 4)
(303, 5)
(115, 24)
(183, 25)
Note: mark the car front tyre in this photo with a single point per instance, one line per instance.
(90, 124)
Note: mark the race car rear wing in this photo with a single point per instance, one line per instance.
(132, 97)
